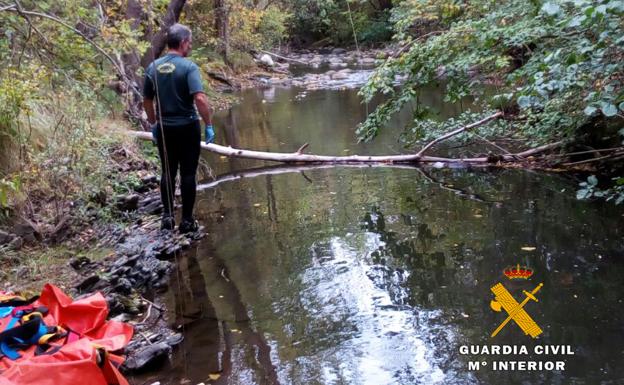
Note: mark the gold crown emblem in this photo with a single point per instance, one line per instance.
(518, 272)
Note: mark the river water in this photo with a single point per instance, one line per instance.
(377, 275)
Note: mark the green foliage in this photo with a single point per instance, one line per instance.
(272, 27)
(560, 61)
(331, 19)
(250, 26)
(590, 189)
(54, 96)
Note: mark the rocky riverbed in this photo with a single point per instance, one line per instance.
(131, 279)
(325, 69)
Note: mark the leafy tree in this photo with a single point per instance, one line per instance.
(559, 62)
(556, 67)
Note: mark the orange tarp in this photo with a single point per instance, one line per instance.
(77, 361)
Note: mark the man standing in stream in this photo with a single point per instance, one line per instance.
(174, 84)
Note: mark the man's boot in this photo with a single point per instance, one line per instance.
(188, 226)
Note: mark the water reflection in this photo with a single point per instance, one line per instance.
(376, 275)
(218, 331)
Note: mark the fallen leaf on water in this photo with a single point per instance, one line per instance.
(214, 376)
(528, 248)
(256, 204)
(478, 216)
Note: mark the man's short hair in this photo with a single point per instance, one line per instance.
(176, 34)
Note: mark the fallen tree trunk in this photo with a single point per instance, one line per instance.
(297, 157)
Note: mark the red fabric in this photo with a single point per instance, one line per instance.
(75, 362)
(86, 317)
(83, 315)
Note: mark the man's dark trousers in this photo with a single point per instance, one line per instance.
(181, 149)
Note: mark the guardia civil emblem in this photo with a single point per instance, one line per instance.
(503, 300)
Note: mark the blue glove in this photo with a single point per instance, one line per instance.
(210, 134)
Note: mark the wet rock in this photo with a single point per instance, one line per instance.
(338, 51)
(148, 182)
(78, 263)
(123, 317)
(5, 237)
(16, 243)
(128, 202)
(340, 76)
(123, 286)
(27, 232)
(149, 357)
(338, 65)
(87, 284)
(174, 340)
(118, 272)
(151, 205)
(267, 60)
(367, 61)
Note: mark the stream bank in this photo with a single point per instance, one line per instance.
(82, 254)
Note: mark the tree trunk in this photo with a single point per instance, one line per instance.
(134, 13)
(132, 60)
(296, 157)
(221, 26)
(158, 40)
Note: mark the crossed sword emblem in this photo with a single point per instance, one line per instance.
(504, 300)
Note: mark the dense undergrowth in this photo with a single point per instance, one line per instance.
(556, 68)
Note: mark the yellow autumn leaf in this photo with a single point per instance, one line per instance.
(214, 376)
(528, 248)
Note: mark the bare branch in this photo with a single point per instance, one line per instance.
(459, 131)
(613, 156)
(300, 150)
(23, 12)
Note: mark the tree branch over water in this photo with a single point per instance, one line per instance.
(299, 157)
